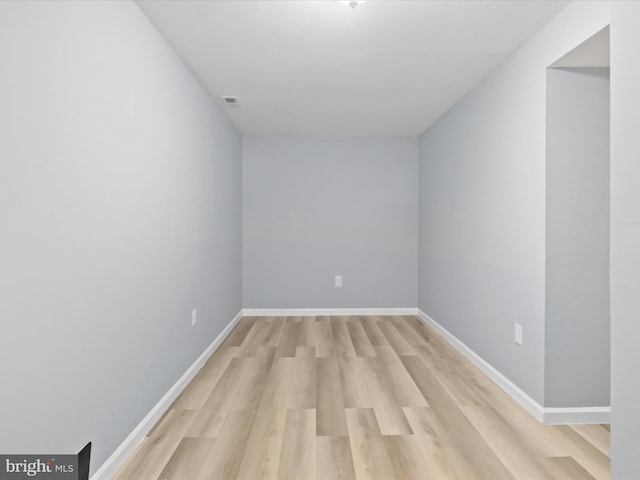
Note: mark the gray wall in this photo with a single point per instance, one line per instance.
(577, 366)
(120, 198)
(625, 240)
(314, 207)
(482, 205)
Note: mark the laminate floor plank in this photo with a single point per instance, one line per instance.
(307, 334)
(224, 459)
(211, 416)
(239, 333)
(261, 458)
(324, 340)
(461, 387)
(388, 364)
(355, 379)
(289, 338)
(330, 406)
(196, 393)
(273, 334)
(187, 459)
(564, 468)
(298, 451)
(262, 454)
(156, 451)
(521, 457)
(351, 398)
(343, 345)
(586, 454)
(408, 459)
(370, 457)
(397, 341)
(334, 460)
(467, 439)
(596, 435)
(276, 398)
(252, 385)
(256, 338)
(438, 445)
(361, 343)
(426, 333)
(304, 388)
(407, 331)
(372, 329)
(387, 408)
(305, 351)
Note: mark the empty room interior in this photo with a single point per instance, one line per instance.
(320, 239)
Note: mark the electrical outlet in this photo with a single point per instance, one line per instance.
(194, 317)
(517, 333)
(338, 281)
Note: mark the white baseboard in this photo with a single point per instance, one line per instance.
(565, 416)
(117, 458)
(314, 312)
(529, 404)
(546, 415)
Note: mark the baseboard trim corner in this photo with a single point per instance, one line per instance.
(546, 415)
(314, 312)
(575, 415)
(515, 392)
(108, 469)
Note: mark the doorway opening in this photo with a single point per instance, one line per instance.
(577, 324)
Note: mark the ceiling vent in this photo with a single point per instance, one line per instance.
(231, 102)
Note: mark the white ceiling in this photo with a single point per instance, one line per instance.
(388, 67)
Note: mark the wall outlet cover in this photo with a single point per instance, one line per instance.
(518, 334)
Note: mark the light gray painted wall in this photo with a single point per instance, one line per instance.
(577, 366)
(314, 207)
(120, 198)
(625, 240)
(482, 205)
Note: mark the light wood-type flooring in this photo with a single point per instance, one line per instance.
(354, 398)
